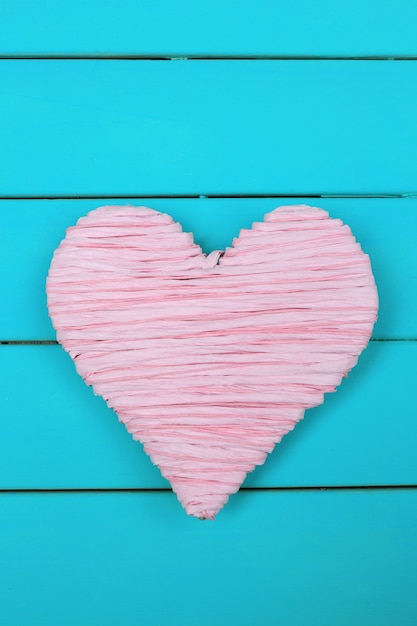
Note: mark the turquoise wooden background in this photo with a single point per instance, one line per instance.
(215, 112)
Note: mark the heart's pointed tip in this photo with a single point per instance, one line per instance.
(203, 512)
(204, 515)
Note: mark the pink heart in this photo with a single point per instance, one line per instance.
(210, 360)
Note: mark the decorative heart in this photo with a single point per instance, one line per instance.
(210, 360)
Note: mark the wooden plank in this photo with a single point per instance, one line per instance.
(54, 433)
(30, 231)
(309, 558)
(207, 28)
(207, 127)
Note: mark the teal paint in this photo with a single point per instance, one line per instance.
(386, 229)
(184, 28)
(364, 434)
(316, 558)
(207, 127)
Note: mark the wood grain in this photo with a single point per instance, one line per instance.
(89, 128)
(186, 28)
(31, 230)
(312, 558)
(364, 434)
(76, 128)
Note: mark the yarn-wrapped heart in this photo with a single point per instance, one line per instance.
(210, 360)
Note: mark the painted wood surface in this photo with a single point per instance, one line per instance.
(207, 128)
(316, 559)
(86, 129)
(186, 27)
(386, 229)
(364, 434)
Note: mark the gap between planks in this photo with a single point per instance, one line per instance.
(197, 57)
(87, 490)
(208, 196)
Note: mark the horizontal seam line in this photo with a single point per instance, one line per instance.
(201, 57)
(208, 196)
(169, 490)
